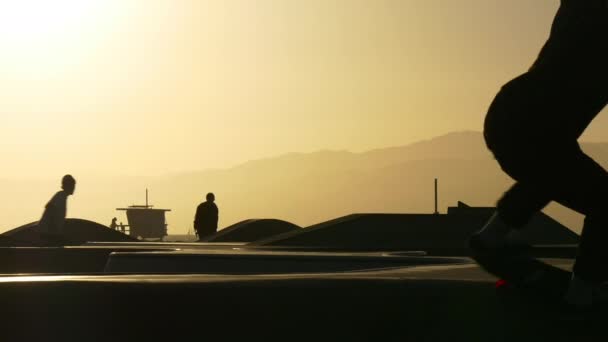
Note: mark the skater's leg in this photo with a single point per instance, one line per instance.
(558, 171)
(588, 271)
(514, 210)
(592, 253)
(509, 132)
(525, 198)
(570, 177)
(582, 185)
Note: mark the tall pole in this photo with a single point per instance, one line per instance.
(146, 197)
(436, 211)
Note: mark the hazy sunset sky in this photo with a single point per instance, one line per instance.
(128, 87)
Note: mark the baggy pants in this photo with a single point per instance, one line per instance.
(535, 142)
(205, 231)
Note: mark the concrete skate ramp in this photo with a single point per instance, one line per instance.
(435, 234)
(263, 262)
(434, 303)
(252, 230)
(63, 259)
(77, 232)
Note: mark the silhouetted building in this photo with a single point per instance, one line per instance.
(145, 222)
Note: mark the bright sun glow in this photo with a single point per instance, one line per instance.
(42, 38)
(46, 29)
(36, 21)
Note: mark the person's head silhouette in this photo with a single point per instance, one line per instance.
(210, 197)
(68, 184)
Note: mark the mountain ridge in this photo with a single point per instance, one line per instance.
(303, 188)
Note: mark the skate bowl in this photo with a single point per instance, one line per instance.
(437, 234)
(252, 230)
(435, 303)
(264, 262)
(76, 232)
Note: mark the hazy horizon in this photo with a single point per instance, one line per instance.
(279, 154)
(135, 87)
(303, 188)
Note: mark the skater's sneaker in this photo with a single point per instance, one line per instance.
(509, 244)
(496, 238)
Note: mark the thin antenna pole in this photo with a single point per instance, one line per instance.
(436, 211)
(146, 197)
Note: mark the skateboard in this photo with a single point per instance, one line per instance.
(527, 276)
(533, 291)
(518, 271)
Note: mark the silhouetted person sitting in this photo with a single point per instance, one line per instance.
(53, 218)
(205, 220)
(532, 127)
(114, 225)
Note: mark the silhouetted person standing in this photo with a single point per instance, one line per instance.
(205, 220)
(114, 225)
(532, 128)
(53, 218)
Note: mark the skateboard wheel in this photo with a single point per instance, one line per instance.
(501, 283)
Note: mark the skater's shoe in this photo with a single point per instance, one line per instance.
(509, 244)
(497, 238)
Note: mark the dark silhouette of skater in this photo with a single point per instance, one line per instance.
(205, 220)
(532, 128)
(53, 218)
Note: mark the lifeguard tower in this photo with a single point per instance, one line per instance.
(146, 222)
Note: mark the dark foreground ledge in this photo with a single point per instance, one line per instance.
(93, 258)
(337, 307)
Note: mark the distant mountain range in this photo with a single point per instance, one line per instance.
(308, 188)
